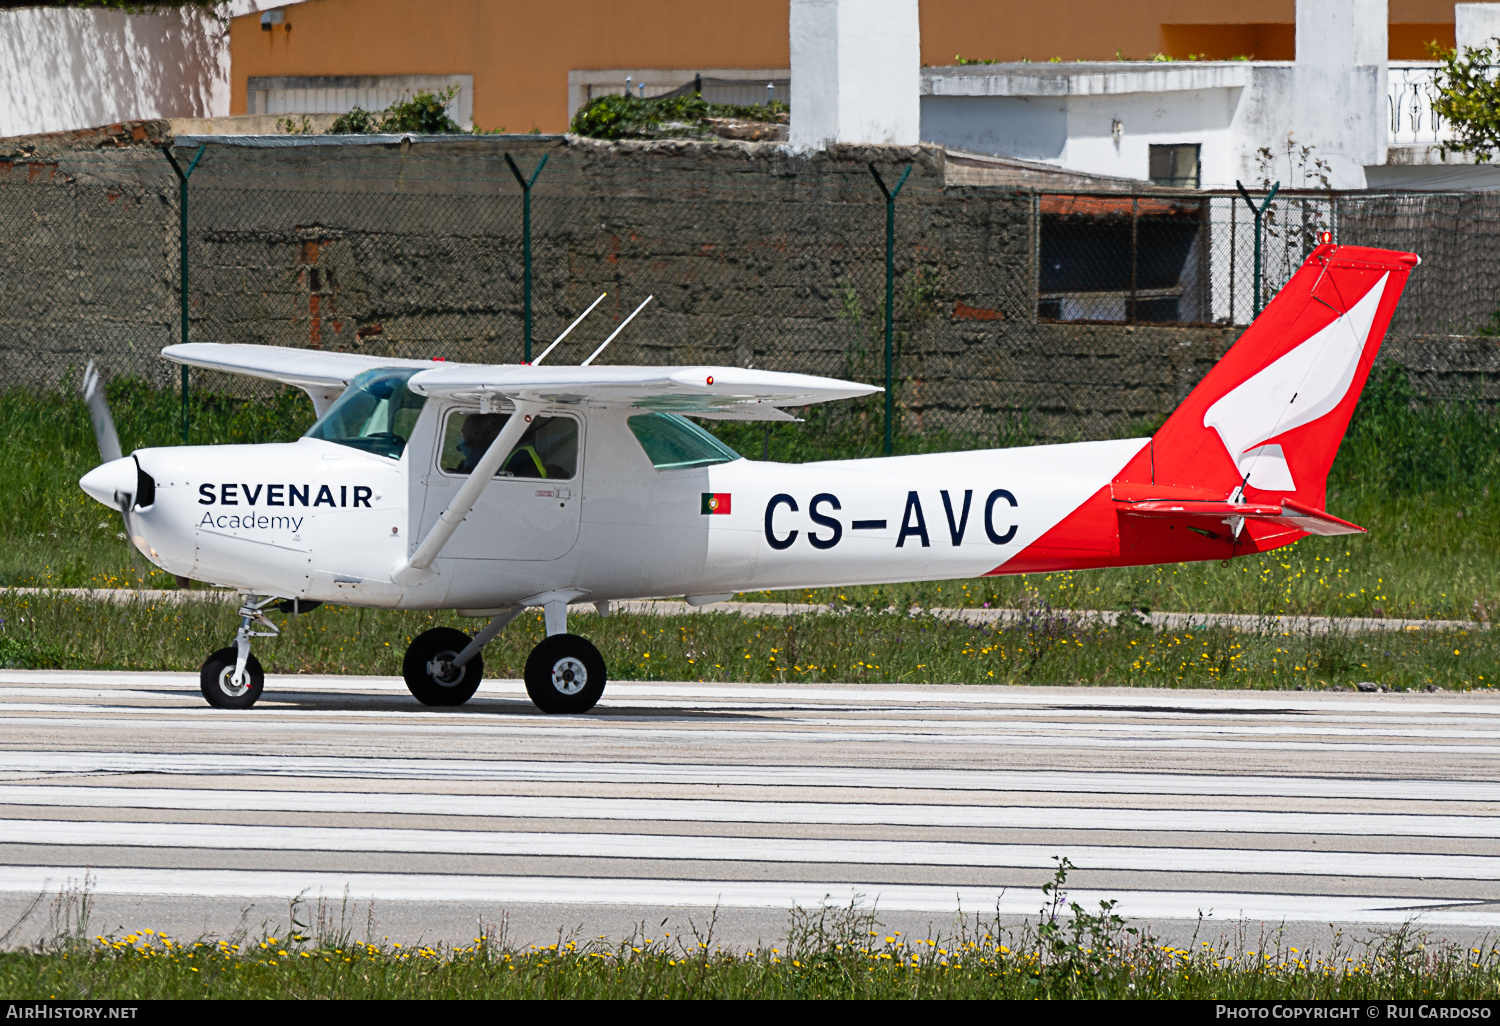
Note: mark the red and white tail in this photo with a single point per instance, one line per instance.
(1265, 423)
(1242, 465)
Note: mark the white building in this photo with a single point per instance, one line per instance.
(1341, 115)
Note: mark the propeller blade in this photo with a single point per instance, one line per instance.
(99, 416)
(120, 486)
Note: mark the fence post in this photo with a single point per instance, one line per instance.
(182, 252)
(526, 184)
(1135, 225)
(1257, 211)
(890, 293)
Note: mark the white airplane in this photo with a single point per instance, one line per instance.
(493, 489)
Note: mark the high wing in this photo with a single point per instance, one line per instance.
(323, 376)
(716, 393)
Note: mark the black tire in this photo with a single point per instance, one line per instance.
(431, 687)
(565, 674)
(215, 679)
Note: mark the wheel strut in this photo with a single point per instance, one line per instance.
(252, 612)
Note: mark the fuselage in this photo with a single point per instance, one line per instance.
(325, 521)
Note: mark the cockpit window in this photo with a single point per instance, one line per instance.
(674, 443)
(549, 448)
(376, 414)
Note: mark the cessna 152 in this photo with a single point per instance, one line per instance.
(493, 489)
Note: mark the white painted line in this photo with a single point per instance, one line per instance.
(1078, 782)
(985, 901)
(718, 811)
(221, 836)
(524, 728)
(960, 731)
(957, 716)
(1479, 703)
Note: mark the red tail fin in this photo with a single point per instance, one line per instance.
(1270, 415)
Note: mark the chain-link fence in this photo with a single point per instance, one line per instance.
(1017, 314)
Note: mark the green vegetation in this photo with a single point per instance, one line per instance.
(1068, 952)
(635, 117)
(1043, 646)
(425, 113)
(1468, 99)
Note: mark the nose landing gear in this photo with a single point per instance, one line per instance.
(232, 678)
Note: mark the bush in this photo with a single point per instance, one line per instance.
(632, 117)
(424, 114)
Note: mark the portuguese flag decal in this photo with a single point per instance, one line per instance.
(715, 502)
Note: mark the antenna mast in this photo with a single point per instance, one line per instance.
(612, 334)
(569, 328)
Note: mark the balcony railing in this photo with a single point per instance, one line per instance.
(1411, 93)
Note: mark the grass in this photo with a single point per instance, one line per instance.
(1044, 647)
(829, 953)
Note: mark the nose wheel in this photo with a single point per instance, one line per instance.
(565, 674)
(217, 680)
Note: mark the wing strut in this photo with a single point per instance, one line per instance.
(416, 567)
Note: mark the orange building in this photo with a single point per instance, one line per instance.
(527, 65)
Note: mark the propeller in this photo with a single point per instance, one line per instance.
(118, 481)
(99, 416)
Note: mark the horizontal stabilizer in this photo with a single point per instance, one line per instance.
(1316, 521)
(1286, 513)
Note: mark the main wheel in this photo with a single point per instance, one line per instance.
(430, 675)
(217, 680)
(565, 674)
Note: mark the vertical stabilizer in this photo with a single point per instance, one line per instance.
(1265, 423)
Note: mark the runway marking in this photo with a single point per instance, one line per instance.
(681, 736)
(531, 724)
(720, 811)
(874, 695)
(1064, 781)
(985, 902)
(676, 847)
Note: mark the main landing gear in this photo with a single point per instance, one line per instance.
(564, 673)
(443, 667)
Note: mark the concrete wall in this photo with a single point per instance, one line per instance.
(756, 257)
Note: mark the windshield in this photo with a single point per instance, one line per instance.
(672, 442)
(376, 413)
